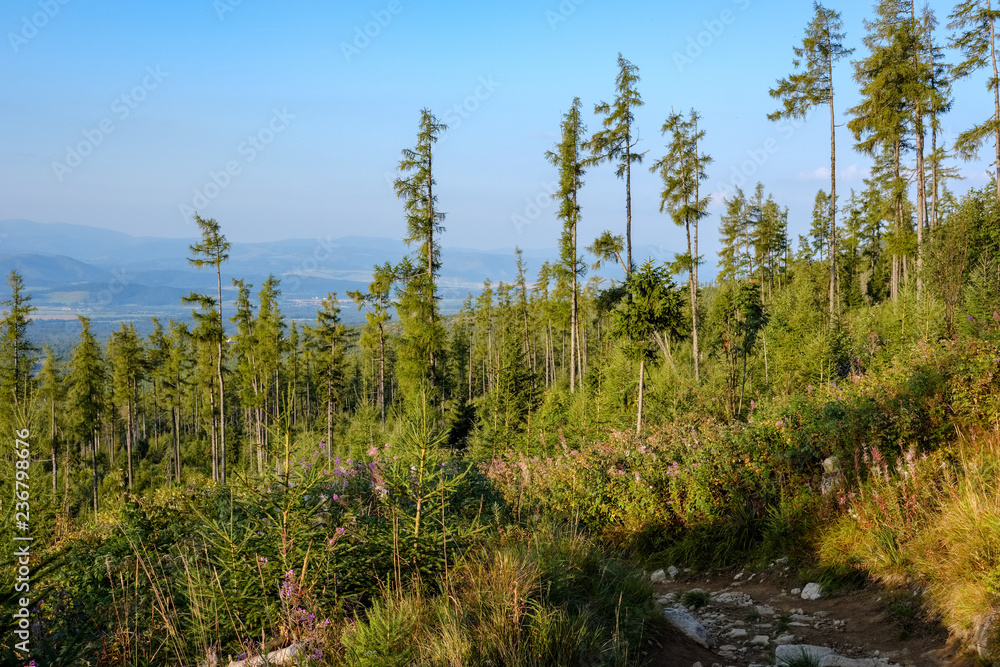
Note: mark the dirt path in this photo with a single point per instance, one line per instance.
(744, 609)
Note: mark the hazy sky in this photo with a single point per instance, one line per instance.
(287, 119)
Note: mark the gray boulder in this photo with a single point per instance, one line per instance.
(784, 654)
(688, 625)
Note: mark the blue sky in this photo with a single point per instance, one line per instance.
(287, 120)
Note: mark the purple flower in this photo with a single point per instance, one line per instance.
(263, 559)
(341, 530)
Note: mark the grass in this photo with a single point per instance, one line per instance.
(696, 598)
(802, 660)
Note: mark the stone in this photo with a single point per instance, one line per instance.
(658, 577)
(783, 654)
(812, 591)
(760, 640)
(801, 618)
(795, 591)
(697, 664)
(688, 625)
(764, 610)
(831, 464)
(737, 633)
(673, 572)
(785, 639)
(282, 657)
(835, 660)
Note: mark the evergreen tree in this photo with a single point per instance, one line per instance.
(127, 357)
(373, 334)
(682, 169)
(423, 337)
(812, 85)
(975, 36)
(329, 338)
(16, 350)
(52, 393)
(735, 237)
(214, 250)
(86, 395)
(652, 305)
(566, 157)
(206, 335)
(819, 232)
(615, 143)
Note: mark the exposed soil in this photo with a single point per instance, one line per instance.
(867, 622)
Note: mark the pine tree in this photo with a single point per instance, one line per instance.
(975, 36)
(615, 143)
(567, 158)
(423, 337)
(206, 334)
(377, 301)
(819, 232)
(682, 169)
(127, 357)
(652, 305)
(812, 86)
(16, 350)
(735, 233)
(51, 392)
(880, 122)
(214, 250)
(329, 338)
(86, 381)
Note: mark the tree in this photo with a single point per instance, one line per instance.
(16, 350)
(812, 85)
(735, 237)
(615, 142)
(880, 121)
(378, 303)
(329, 337)
(819, 232)
(206, 333)
(51, 390)
(214, 250)
(652, 304)
(86, 393)
(423, 336)
(126, 354)
(740, 312)
(566, 158)
(975, 36)
(682, 169)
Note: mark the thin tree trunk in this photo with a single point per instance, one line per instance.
(833, 189)
(642, 378)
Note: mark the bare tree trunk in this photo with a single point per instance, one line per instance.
(642, 378)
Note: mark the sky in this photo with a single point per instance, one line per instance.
(286, 120)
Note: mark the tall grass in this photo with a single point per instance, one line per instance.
(933, 521)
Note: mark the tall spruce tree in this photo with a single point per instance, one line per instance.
(377, 301)
(86, 395)
(616, 142)
(568, 160)
(975, 37)
(423, 336)
(16, 350)
(214, 250)
(810, 86)
(127, 357)
(682, 169)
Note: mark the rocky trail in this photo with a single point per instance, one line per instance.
(746, 619)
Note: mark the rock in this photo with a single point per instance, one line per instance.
(835, 660)
(783, 654)
(673, 572)
(739, 575)
(831, 464)
(812, 591)
(688, 625)
(760, 640)
(782, 560)
(283, 657)
(785, 639)
(697, 664)
(764, 610)
(986, 643)
(737, 633)
(795, 591)
(801, 618)
(658, 577)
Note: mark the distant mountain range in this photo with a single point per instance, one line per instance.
(111, 276)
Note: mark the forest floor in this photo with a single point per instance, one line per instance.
(870, 622)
